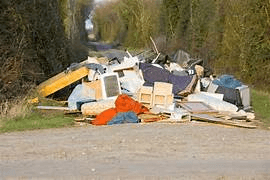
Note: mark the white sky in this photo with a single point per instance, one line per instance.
(88, 23)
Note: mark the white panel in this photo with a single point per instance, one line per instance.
(110, 85)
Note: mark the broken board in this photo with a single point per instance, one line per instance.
(212, 119)
(61, 80)
(146, 118)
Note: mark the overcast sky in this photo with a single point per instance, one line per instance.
(88, 23)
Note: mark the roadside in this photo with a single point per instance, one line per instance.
(137, 151)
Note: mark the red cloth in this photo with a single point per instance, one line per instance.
(104, 117)
(123, 103)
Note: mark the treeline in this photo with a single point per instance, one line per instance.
(232, 37)
(39, 38)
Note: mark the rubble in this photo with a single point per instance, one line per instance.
(135, 89)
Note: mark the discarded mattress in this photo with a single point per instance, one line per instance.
(182, 85)
(95, 108)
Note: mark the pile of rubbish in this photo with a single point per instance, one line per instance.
(140, 89)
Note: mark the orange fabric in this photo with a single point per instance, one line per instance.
(104, 117)
(123, 103)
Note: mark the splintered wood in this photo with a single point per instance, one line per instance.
(212, 119)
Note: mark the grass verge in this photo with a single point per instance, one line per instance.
(36, 120)
(20, 115)
(261, 106)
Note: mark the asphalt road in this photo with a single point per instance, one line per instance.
(137, 151)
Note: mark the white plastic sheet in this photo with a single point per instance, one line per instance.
(80, 93)
(213, 102)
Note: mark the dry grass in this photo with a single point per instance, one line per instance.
(21, 115)
(11, 109)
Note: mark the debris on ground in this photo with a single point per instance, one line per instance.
(139, 89)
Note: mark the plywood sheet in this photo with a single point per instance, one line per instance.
(61, 80)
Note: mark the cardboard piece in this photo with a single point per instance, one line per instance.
(96, 85)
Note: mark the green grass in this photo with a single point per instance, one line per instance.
(261, 106)
(36, 120)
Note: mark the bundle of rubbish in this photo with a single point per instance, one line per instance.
(134, 89)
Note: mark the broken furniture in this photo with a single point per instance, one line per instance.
(159, 95)
(162, 94)
(145, 96)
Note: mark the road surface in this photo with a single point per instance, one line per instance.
(137, 151)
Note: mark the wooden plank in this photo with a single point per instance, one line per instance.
(168, 120)
(147, 118)
(53, 108)
(212, 119)
(61, 80)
